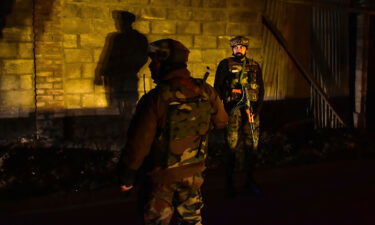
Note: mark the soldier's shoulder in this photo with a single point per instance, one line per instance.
(154, 94)
(200, 82)
(149, 95)
(164, 91)
(225, 60)
(229, 59)
(207, 88)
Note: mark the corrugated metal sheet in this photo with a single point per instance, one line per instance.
(275, 59)
(329, 60)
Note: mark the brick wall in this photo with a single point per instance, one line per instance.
(70, 37)
(17, 62)
(49, 57)
(204, 26)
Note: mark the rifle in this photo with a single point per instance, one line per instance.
(206, 74)
(245, 102)
(250, 116)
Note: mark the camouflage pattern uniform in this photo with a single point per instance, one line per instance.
(241, 136)
(170, 128)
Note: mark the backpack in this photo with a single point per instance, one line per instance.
(187, 124)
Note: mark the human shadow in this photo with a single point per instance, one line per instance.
(124, 54)
(5, 9)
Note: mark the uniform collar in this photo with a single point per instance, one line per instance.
(239, 60)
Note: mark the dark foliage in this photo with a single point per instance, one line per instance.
(34, 168)
(29, 171)
(301, 146)
(313, 146)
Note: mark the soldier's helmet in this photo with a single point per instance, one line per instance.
(239, 40)
(168, 51)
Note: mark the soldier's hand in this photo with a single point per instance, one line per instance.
(125, 188)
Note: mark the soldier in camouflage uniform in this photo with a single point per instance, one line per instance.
(169, 129)
(239, 83)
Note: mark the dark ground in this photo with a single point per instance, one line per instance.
(334, 193)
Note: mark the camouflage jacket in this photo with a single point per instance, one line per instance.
(227, 76)
(150, 119)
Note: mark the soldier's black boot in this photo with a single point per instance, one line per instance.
(251, 187)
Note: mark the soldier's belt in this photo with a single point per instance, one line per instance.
(169, 175)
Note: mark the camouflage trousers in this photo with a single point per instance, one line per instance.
(242, 140)
(183, 196)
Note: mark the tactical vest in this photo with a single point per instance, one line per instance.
(247, 78)
(187, 124)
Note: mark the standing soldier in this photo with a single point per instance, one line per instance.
(170, 127)
(239, 83)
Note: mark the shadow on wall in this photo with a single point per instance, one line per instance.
(124, 54)
(5, 9)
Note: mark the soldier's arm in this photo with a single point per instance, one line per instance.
(219, 84)
(141, 133)
(219, 116)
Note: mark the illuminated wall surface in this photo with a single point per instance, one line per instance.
(71, 38)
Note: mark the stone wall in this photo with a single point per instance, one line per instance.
(51, 51)
(17, 61)
(204, 26)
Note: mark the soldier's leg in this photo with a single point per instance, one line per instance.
(232, 140)
(251, 140)
(189, 201)
(159, 209)
(230, 159)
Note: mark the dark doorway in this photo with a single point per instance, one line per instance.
(370, 77)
